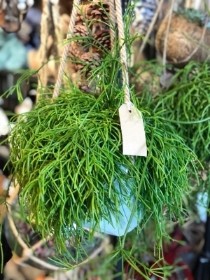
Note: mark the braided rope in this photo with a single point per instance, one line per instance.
(44, 34)
(66, 49)
(123, 53)
(112, 22)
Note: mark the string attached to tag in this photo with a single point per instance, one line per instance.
(131, 121)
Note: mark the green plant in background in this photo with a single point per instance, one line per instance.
(187, 105)
(194, 15)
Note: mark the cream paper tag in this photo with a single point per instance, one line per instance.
(133, 133)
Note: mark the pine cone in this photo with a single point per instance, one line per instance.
(76, 50)
(81, 59)
(79, 19)
(102, 41)
(97, 11)
(91, 58)
(87, 62)
(101, 35)
(91, 23)
(81, 30)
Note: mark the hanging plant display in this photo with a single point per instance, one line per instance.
(67, 159)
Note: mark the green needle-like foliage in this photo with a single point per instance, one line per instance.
(187, 106)
(67, 155)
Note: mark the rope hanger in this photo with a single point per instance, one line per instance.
(66, 49)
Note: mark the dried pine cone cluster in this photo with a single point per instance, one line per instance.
(91, 41)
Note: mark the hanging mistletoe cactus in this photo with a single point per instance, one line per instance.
(67, 159)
